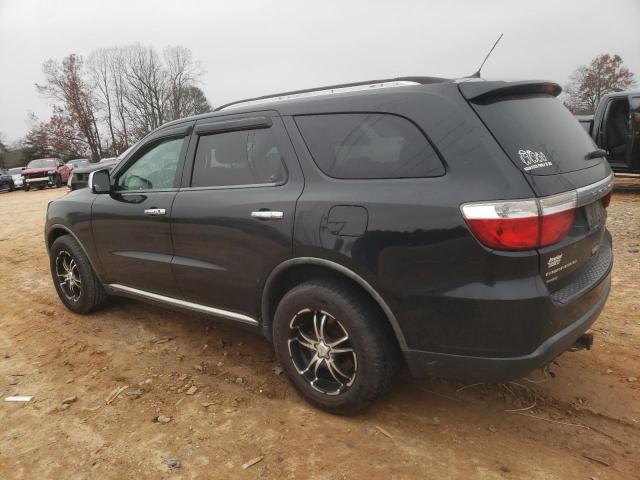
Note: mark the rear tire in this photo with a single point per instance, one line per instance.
(334, 346)
(76, 283)
(26, 187)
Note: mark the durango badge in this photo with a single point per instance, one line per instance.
(533, 160)
(553, 261)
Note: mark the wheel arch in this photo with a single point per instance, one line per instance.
(295, 270)
(56, 231)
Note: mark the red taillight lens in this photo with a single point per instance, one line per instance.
(521, 224)
(507, 234)
(606, 200)
(508, 225)
(555, 227)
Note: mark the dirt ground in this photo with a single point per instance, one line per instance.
(583, 422)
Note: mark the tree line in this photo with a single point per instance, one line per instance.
(105, 103)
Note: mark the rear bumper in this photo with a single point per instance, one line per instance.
(423, 363)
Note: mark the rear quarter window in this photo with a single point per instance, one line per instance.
(368, 146)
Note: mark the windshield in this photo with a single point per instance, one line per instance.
(44, 163)
(538, 133)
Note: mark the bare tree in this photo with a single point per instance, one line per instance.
(117, 67)
(194, 101)
(65, 82)
(101, 79)
(122, 93)
(588, 84)
(146, 94)
(182, 74)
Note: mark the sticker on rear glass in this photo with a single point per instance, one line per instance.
(533, 160)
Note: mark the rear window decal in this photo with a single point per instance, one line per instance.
(533, 160)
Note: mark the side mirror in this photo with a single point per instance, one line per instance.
(100, 181)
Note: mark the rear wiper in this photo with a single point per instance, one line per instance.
(596, 154)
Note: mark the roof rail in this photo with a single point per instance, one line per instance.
(343, 88)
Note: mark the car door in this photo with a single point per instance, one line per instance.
(131, 225)
(232, 222)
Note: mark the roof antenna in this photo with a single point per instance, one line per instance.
(477, 74)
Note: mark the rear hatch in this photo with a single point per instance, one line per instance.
(559, 160)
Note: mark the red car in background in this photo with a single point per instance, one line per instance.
(45, 172)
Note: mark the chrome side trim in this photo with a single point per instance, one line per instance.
(590, 193)
(196, 307)
(316, 93)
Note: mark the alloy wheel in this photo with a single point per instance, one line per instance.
(68, 276)
(321, 351)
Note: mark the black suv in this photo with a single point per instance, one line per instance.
(455, 225)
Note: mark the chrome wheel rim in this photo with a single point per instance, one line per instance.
(321, 351)
(68, 276)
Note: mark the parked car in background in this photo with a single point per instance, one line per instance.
(459, 225)
(78, 162)
(45, 172)
(16, 174)
(6, 181)
(615, 127)
(80, 176)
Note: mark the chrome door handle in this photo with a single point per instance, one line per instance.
(155, 212)
(267, 215)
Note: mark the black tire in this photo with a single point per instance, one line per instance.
(87, 297)
(26, 187)
(12, 187)
(58, 181)
(375, 352)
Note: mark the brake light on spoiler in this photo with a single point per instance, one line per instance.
(532, 223)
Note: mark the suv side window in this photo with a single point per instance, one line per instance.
(246, 157)
(155, 169)
(368, 145)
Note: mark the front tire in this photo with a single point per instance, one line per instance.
(26, 187)
(335, 347)
(58, 182)
(76, 283)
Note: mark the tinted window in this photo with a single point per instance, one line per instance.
(361, 145)
(247, 157)
(539, 134)
(155, 169)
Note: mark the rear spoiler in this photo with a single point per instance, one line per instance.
(483, 90)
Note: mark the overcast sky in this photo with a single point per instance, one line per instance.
(249, 48)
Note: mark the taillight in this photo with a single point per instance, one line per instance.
(606, 200)
(521, 224)
(556, 217)
(508, 225)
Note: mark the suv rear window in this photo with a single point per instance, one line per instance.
(368, 145)
(538, 133)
